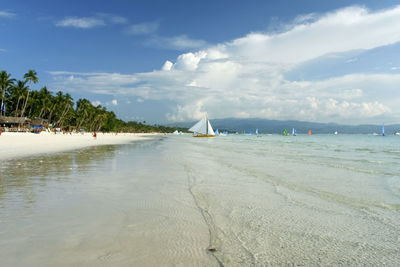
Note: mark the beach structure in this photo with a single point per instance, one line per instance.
(14, 122)
(202, 128)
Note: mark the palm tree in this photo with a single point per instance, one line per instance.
(83, 110)
(5, 83)
(30, 76)
(45, 99)
(66, 106)
(18, 92)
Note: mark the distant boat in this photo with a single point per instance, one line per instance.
(256, 131)
(397, 133)
(285, 132)
(202, 128)
(383, 130)
(294, 132)
(336, 133)
(250, 132)
(217, 131)
(309, 132)
(176, 132)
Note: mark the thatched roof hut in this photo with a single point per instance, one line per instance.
(16, 121)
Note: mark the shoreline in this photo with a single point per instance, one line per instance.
(17, 145)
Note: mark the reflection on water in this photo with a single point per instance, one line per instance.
(124, 205)
(20, 177)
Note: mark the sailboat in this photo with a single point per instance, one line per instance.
(285, 132)
(256, 131)
(202, 128)
(217, 131)
(383, 130)
(294, 132)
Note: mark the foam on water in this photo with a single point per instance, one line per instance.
(225, 201)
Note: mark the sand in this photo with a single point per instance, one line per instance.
(15, 145)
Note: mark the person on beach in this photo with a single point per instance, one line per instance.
(94, 135)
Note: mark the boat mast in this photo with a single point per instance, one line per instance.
(206, 124)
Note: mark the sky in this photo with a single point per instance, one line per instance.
(172, 61)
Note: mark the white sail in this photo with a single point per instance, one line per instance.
(201, 127)
(210, 129)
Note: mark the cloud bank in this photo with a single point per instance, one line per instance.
(246, 76)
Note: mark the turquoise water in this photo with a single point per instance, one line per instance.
(255, 200)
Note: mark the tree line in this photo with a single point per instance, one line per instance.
(59, 109)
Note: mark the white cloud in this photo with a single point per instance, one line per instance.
(143, 28)
(167, 65)
(246, 77)
(3, 50)
(83, 22)
(180, 42)
(189, 61)
(96, 103)
(6, 14)
(114, 19)
(344, 30)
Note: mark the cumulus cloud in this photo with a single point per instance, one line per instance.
(83, 22)
(167, 65)
(246, 76)
(6, 14)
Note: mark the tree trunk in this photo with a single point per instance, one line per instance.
(63, 114)
(16, 110)
(26, 101)
(41, 111)
(51, 113)
(2, 101)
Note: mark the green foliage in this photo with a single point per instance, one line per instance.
(60, 111)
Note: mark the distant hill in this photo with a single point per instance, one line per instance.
(277, 126)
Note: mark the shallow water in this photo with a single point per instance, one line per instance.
(257, 200)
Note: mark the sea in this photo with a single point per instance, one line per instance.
(235, 200)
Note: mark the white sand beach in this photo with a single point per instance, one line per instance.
(14, 145)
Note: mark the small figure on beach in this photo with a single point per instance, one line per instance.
(94, 135)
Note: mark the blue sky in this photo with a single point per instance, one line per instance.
(166, 61)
